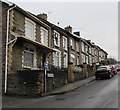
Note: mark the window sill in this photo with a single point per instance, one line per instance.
(30, 68)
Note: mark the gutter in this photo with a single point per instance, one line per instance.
(6, 56)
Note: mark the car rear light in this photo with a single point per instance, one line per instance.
(106, 69)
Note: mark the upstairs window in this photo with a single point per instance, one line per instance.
(44, 36)
(65, 58)
(77, 47)
(65, 43)
(72, 44)
(83, 48)
(73, 58)
(78, 60)
(86, 49)
(56, 39)
(29, 29)
(83, 58)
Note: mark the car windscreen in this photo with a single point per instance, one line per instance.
(102, 68)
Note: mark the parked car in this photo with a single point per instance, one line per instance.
(118, 67)
(114, 69)
(104, 72)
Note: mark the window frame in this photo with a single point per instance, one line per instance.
(72, 57)
(59, 58)
(65, 60)
(44, 41)
(58, 36)
(28, 51)
(64, 43)
(33, 25)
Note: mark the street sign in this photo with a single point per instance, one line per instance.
(50, 75)
(46, 65)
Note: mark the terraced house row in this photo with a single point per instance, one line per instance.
(31, 45)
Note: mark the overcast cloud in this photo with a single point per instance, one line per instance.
(97, 21)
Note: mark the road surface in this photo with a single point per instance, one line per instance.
(97, 94)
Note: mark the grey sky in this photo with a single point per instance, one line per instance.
(97, 21)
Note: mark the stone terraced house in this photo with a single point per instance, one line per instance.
(26, 46)
(38, 56)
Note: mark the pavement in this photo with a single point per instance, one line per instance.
(71, 86)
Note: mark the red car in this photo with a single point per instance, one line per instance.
(114, 69)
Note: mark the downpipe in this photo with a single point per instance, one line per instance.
(6, 56)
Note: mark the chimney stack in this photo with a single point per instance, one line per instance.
(68, 28)
(43, 16)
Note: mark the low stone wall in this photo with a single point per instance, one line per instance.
(77, 71)
(90, 70)
(25, 83)
(59, 79)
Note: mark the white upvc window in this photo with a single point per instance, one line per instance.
(86, 49)
(83, 48)
(77, 47)
(30, 29)
(72, 58)
(90, 50)
(87, 59)
(78, 60)
(57, 58)
(65, 43)
(44, 36)
(65, 60)
(28, 58)
(93, 59)
(72, 44)
(83, 58)
(56, 38)
(93, 51)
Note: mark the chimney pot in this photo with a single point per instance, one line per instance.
(68, 28)
(43, 16)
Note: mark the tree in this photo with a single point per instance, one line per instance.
(112, 60)
(108, 61)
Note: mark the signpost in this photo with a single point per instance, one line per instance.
(46, 68)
